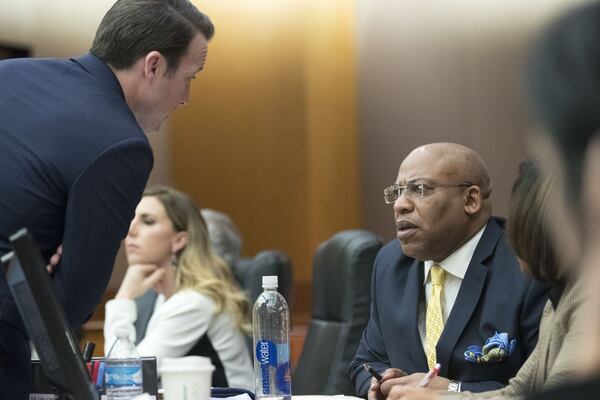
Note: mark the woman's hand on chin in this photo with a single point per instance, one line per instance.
(138, 279)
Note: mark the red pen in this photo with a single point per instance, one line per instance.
(430, 375)
(96, 366)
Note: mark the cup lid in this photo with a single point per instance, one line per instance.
(189, 363)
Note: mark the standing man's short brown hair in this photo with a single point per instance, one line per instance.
(133, 28)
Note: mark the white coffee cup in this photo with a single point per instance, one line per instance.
(186, 378)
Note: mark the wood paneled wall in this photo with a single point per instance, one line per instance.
(270, 133)
(443, 71)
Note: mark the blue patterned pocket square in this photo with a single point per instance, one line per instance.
(496, 349)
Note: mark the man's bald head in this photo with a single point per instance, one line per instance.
(456, 161)
(444, 202)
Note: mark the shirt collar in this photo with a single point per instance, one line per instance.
(101, 71)
(457, 263)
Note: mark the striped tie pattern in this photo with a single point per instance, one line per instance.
(434, 321)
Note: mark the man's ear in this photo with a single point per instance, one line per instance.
(154, 63)
(179, 242)
(473, 200)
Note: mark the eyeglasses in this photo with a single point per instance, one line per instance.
(414, 190)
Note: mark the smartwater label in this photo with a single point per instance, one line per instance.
(266, 354)
(274, 364)
(284, 379)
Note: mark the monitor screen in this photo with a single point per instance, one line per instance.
(45, 320)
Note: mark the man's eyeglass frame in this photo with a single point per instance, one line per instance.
(414, 190)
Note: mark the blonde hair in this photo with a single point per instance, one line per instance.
(198, 265)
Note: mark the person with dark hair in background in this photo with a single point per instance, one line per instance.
(555, 361)
(450, 282)
(224, 235)
(75, 155)
(564, 78)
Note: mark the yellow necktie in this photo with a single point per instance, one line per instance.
(434, 320)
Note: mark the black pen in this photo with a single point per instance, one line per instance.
(88, 351)
(373, 373)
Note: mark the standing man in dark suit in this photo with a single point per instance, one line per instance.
(451, 283)
(75, 157)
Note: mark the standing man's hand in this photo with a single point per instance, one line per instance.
(375, 389)
(55, 260)
(138, 279)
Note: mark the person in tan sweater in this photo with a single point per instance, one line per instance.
(556, 359)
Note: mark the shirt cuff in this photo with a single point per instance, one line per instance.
(124, 308)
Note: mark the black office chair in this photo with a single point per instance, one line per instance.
(249, 273)
(145, 308)
(342, 269)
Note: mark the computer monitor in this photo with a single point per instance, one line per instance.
(45, 320)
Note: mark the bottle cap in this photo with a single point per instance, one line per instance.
(269, 282)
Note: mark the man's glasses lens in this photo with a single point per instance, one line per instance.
(411, 190)
(391, 194)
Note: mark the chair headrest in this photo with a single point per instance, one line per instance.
(342, 269)
(249, 273)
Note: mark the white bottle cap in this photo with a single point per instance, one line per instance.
(269, 282)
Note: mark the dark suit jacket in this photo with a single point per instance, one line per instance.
(494, 296)
(74, 165)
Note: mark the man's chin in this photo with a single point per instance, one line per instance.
(153, 127)
(409, 249)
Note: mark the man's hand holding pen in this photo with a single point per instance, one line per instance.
(375, 392)
(395, 384)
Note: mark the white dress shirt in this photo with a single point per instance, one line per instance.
(455, 265)
(175, 327)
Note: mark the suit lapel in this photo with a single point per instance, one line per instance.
(413, 293)
(468, 296)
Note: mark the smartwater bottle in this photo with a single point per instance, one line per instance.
(271, 325)
(123, 369)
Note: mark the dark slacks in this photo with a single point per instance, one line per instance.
(15, 364)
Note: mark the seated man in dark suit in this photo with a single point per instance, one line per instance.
(451, 283)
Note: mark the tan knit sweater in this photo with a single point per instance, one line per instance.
(555, 359)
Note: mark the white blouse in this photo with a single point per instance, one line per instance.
(177, 324)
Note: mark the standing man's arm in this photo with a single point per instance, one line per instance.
(100, 206)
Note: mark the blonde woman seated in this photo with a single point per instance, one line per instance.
(200, 310)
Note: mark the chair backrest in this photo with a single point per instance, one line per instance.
(342, 269)
(145, 308)
(249, 273)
